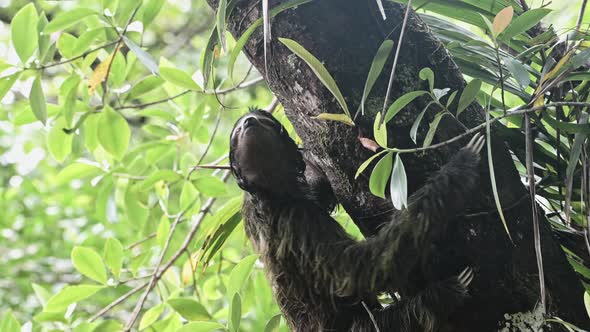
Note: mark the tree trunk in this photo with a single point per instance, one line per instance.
(345, 35)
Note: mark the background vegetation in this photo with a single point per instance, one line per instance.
(89, 213)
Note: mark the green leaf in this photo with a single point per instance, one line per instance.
(188, 195)
(273, 324)
(518, 71)
(367, 163)
(189, 309)
(342, 118)
(208, 56)
(432, 130)
(69, 295)
(6, 83)
(469, 94)
(399, 184)
(42, 294)
(427, 74)
(58, 142)
(416, 124)
(493, 174)
(179, 78)
(144, 57)
(380, 131)
(37, 100)
(91, 131)
(67, 19)
(151, 316)
(241, 42)
(9, 323)
(402, 102)
(89, 263)
(144, 86)
(377, 65)
(151, 8)
(220, 17)
(235, 313)
(210, 186)
(201, 327)
(113, 256)
(163, 231)
(228, 217)
(318, 68)
(524, 22)
(75, 171)
(113, 132)
(240, 273)
(23, 28)
(161, 175)
(380, 175)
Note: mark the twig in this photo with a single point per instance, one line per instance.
(117, 302)
(273, 105)
(63, 62)
(209, 144)
(159, 273)
(207, 92)
(397, 51)
(581, 16)
(371, 316)
(517, 111)
(532, 189)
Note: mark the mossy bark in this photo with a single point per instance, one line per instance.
(344, 35)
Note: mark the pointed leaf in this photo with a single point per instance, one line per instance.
(151, 316)
(399, 184)
(367, 163)
(113, 256)
(273, 324)
(380, 175)
(24, 32)
(189, 309)
(469, 94)
(89, 263)
(67, 19)
(240, 273)
(58, 142)
(433, 127)
(235, 313)
(144, 57)
(518, 71)
(8, 323)
(37, 100)
(318, 68)
(380, 131)
(416, 124)
(221, 10)
(69, 295)
(427, 74)
(179, 78)
(402, 102)
(201, 327)
(502, 20)
(6, 83)
(342, 118)
(113, 132)
(524, 22)
(377, 65)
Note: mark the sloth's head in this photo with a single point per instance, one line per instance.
(263, 158)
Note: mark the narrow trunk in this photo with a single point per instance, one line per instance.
(344, 35)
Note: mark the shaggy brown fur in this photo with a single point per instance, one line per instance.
(322, 279)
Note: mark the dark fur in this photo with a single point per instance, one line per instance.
(320, 276)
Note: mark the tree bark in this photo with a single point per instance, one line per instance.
(345, 35)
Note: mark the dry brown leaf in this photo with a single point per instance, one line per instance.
(502, 20)
(100, 72)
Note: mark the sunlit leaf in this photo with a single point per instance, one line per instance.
(273, 324)
(67, 19)
(380, 131)
(469, 94)
(89, 263)
(402, 102)
(524, 22)
(240, 273)
(113, 256)
(8, 323)
(342, 118)
(235, 313)
(151, 316)
(69, 295)
(433, 127)
(201, 327)
(179, 78)
(37, 100)
(113, 132)
(189, 309)
(100, 73)
(58, 142)
(144, 57)
(24, 32)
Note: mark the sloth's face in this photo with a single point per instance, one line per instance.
(262, 155)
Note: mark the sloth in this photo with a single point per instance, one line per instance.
(322, 279)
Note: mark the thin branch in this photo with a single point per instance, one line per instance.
(397, 51)
(581, 16)
(207, 92)
(63, 62)
(209, 144)
(532, 189)
(158, 275)
(117, 302)
(518, 111)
